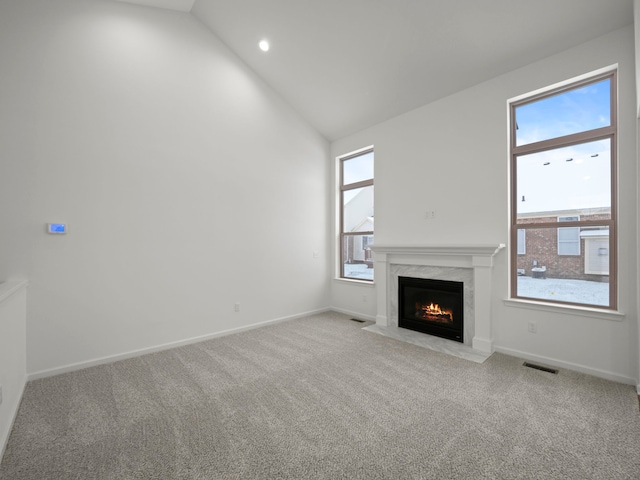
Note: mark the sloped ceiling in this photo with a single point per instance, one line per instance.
(178, 5)
(346, 65)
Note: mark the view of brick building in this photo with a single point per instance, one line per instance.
(579, 253)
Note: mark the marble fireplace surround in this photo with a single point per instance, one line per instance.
(471, 264)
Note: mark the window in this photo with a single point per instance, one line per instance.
(356, 215)
(522, 242)
(563, 192)
(569, 237)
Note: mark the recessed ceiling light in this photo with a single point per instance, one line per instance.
(264, 45)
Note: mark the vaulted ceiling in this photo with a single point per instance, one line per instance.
(348, 64)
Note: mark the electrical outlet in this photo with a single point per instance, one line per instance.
(430, 215)
(364, 298)
(236, 307)
(316, 254)
(533, 327)
(0, 394)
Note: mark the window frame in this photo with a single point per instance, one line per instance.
(609, 132)
(342, 189)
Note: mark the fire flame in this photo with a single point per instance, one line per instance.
(432, 311)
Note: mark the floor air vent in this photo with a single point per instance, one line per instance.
(356, 320)
(540, 367)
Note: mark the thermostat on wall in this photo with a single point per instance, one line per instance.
(59, 228)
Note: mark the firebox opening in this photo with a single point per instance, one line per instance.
(431, 306)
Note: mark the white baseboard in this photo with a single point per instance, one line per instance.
(136, 353)
(553, 362)
(4, 436)
(158, 348)
(359, 316)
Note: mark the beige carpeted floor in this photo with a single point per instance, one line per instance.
(319, 398)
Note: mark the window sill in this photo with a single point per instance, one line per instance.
(600, 313)
(353, 281)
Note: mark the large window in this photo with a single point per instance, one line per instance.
(563, 194)
(356, 215)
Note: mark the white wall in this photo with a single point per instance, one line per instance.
(13, 353)
(186, 183)
(451, 156)
(636, 14)
(636, 24)
(637, 285)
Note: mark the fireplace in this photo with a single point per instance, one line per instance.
(431, 306)
(470, 264)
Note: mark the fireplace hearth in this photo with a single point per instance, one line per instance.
(431, 306)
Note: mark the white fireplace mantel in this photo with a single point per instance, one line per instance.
(467, 250)
(479, 258)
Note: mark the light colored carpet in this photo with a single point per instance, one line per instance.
(319, 398)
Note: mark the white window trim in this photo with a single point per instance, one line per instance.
(338, 219)
(530, 96)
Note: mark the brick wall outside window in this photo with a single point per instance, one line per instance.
(541, 245)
